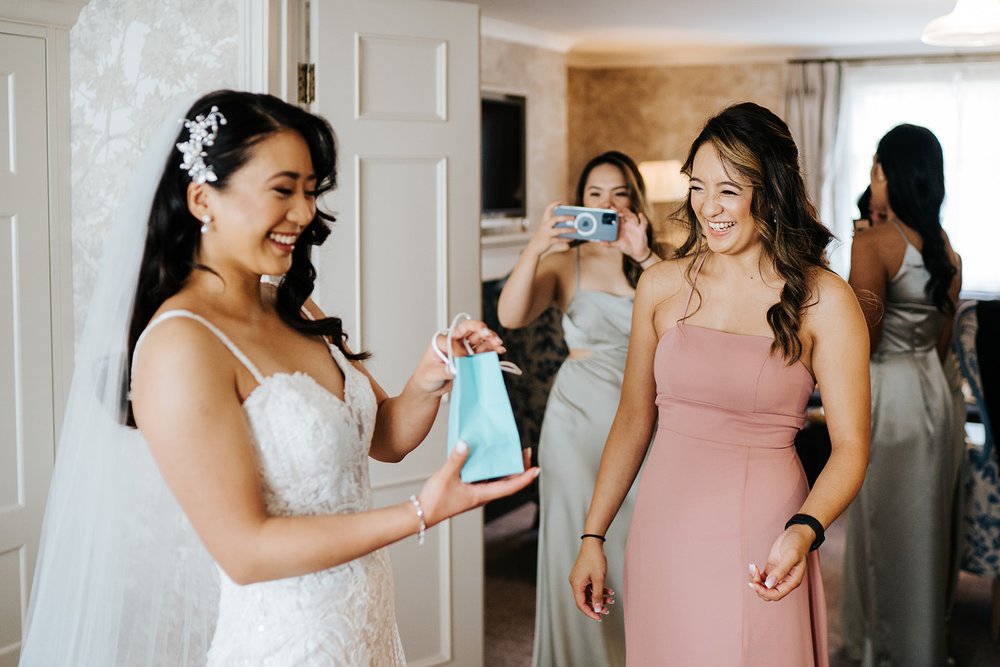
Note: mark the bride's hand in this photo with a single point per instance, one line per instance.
(432, 375)
(445, 494)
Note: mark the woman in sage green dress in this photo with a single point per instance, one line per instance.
(593, 284)
(898, 550)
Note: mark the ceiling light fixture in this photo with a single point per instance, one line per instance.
(971, 23)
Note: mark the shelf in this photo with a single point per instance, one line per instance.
(504, 240)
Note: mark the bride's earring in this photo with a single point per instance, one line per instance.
(206, 222)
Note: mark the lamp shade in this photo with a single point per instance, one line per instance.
(971, 23)
(664, 180)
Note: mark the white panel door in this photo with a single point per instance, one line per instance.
(27, 447)
(399, 81)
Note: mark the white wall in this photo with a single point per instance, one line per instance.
(130, 61)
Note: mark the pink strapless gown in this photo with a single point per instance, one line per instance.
(721, 479)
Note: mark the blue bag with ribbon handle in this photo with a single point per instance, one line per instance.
(479, 412)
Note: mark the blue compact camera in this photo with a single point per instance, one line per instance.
(591, 224)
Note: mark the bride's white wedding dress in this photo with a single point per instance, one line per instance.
(313, 459)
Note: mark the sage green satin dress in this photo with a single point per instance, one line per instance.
(578, 416)
(898, 550)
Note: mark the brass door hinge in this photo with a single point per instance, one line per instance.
(307, 83)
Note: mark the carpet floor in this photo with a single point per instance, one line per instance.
(511, 546)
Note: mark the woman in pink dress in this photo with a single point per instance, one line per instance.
(727, 343)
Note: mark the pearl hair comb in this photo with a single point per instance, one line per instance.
(202, 132)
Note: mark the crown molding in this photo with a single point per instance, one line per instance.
(708, 54)
(522, 34)
(51, 13)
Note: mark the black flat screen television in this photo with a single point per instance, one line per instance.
(503, 156)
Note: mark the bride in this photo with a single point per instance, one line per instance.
(255, 423)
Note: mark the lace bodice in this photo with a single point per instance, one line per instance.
(313, 459)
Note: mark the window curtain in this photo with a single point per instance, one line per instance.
(812, 106)
(958, 101)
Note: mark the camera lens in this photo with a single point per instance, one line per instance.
(586, 223)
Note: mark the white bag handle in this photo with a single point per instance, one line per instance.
(449, 357)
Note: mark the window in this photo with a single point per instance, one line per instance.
(959, 103)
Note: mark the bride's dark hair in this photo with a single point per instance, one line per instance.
(173, 233)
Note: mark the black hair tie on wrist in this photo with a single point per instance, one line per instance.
(644, 259)
(595, 536)
(812, 522)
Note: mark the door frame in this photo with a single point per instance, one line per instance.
(51, 20)
(273, 40)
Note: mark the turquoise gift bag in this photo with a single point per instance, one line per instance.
(480, 412)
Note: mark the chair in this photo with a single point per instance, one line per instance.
(982, 487)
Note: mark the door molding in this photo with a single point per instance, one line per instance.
(51, 21)
(46, 13)
(273, 40)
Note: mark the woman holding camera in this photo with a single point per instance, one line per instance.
(593, 284)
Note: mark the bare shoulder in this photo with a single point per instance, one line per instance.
(560, 263)
(667, 279)
(832, 299)
(182, 354)
(828, 288)
(875, 239)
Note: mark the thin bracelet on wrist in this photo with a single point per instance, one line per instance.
(644, 259)
(812, 522)
(420, 517)
(595, 536)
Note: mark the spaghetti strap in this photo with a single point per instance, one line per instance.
(578, 268)
(694, 279)
(901, 232)
(170, 314)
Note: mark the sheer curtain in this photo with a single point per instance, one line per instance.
(958, 101)
(812, 104)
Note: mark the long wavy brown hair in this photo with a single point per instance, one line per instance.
(756, 144)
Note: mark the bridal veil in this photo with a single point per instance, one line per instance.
(121, 578)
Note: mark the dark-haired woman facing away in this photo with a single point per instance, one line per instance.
(896, 564)
(593, 284)
(259, 418)
(728, 341)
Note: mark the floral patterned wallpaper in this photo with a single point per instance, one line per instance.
(130, 62)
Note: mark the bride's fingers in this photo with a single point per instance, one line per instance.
(487, 491)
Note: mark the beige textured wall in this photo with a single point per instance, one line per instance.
(539, 75)
(653, 113)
